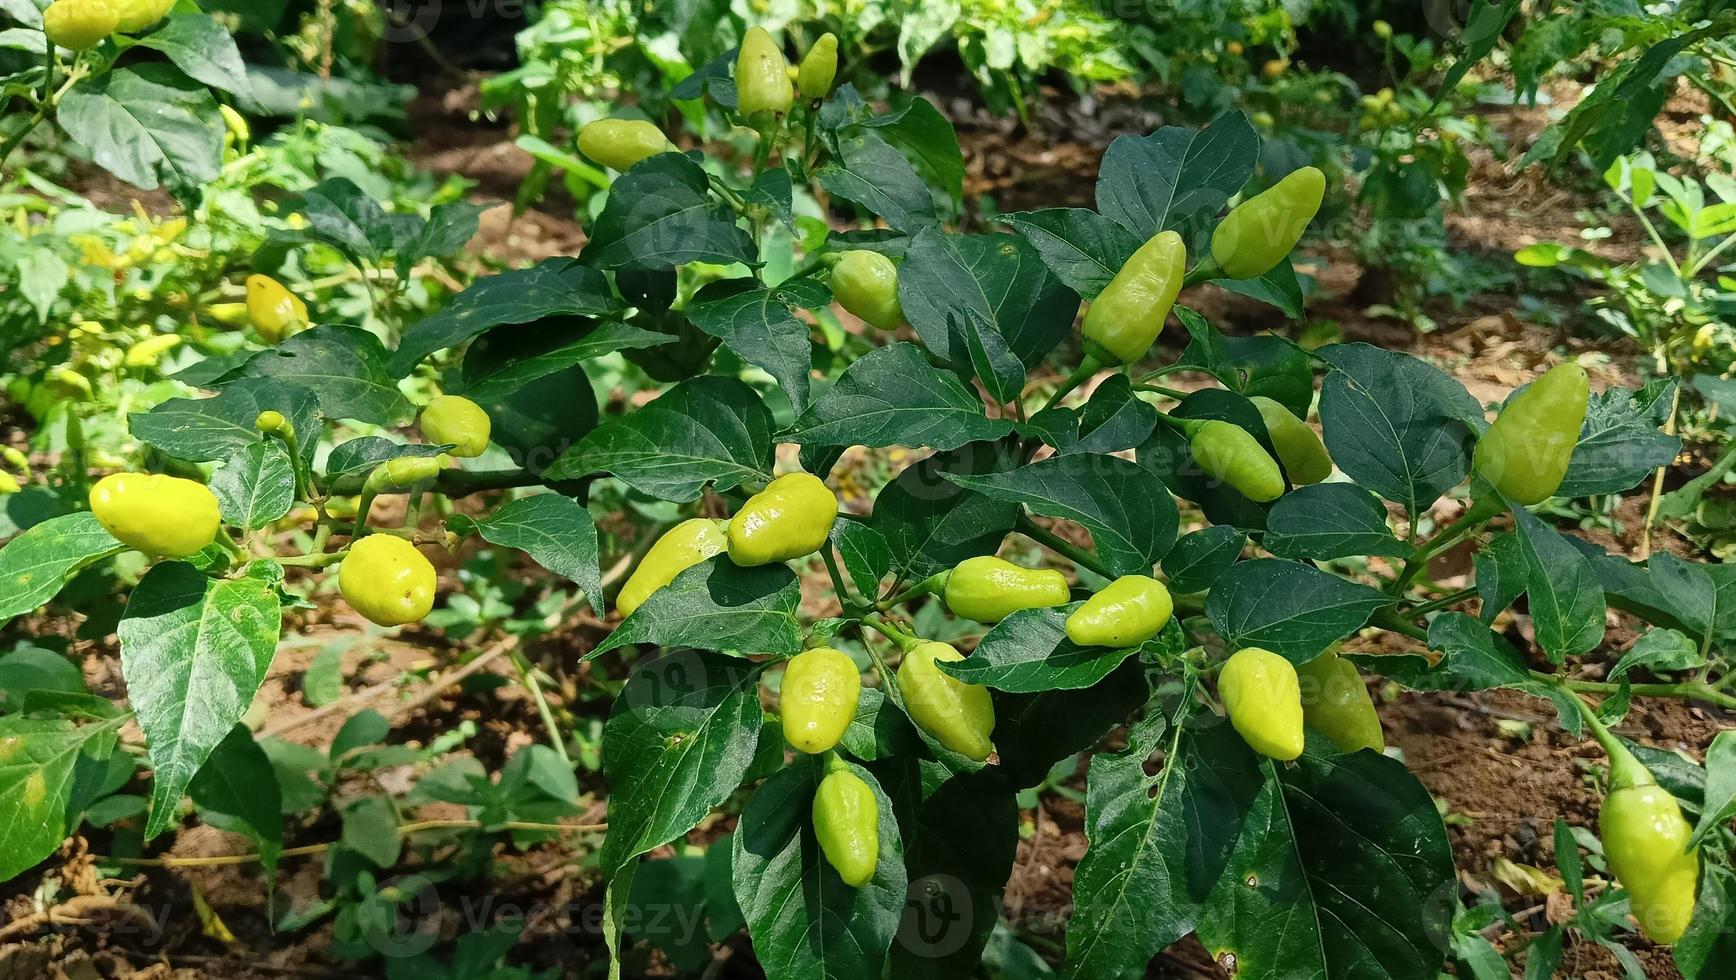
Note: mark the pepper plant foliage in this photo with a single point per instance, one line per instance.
(1334, 864)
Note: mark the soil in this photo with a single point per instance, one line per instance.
(1498, 763)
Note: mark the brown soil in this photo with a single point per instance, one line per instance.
(1502, 785)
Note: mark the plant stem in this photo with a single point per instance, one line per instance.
(933, 585)
(315, 559)
(1066, 549)
(1087, 367)
(459, 483)
(1387, 619)
(845, 598)
(1658, 480)
(527, 674)
(901, 639)
(1436, 605)
(403, 830)
(1474, 517)
(1687, 691)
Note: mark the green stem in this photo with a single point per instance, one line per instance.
(459, 483)
(1206, 270)
(933, 585)
(845, 598)
(528, 675)
(1436, 605)
(1066, 549)
(1686, 691)
(901, 639)
(1087, 367)
(1175, 393)
(1478, 514)
(314, 560)
(1387, 619)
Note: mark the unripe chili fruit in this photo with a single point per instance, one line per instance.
(819, 68)
(275, 311)
(1262, 230)
(403, 473)
(1264, 701)
(988, 589)
(788, 519)
(136, 15)
(387, 580)
(1646, 839)
(8, 483)
(1129, 611)
(866, 283)
(270, 420)
(847, 824)
(79, 25)
(680, 548)
(457, 421)
(762, 77)
(619, 144)
(229, 314)
(164, 516)
(147, 352)
(235, 124)
(1128, 315)
(1229, 454)
(1299, 448)
(1335, 703)
(1526, 451)
(818, 699)
(959, 716)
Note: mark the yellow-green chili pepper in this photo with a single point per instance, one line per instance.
(1262, 230)
(818, 699)
(959, 716)
(1526, 451)
(680, 548)
(1127, 316)
(847, 824)
(1229, 454)
(788, 519)
(989, 589)
(1335, 703)
(1298, 446)
(1129, 611)
(1264, 700)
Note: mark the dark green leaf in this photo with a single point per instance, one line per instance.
(1329, 520)
(1289, 608)
(557, 532)
(867, 557)
(1033, 732)
(1720, 799)
(759, 326)
(1501, 574)
(931, 522)
(552, 287)
(202, 48)
(706, 430)
(1132, 519)
(872, 173)
(1343, 869)
(718, 605)
(1176, 178)
(34, 565)
(345, 367)
(678, 742)
(607, 338)
(986, 301)
(1709, 946)
(1396, 425)
(804, 921)
(236, 791)
(893, 396)
(1200, 557)
(206, 429)
(148, 124)
(1029, 652)
(1619, 444)
(1081, 247)
(961, 835)
(255, 486)
(1473, 658)
(194, 651)
(1567, 605)
(661, 214)
(1157, 843)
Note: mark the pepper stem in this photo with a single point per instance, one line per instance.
(1625, 770)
